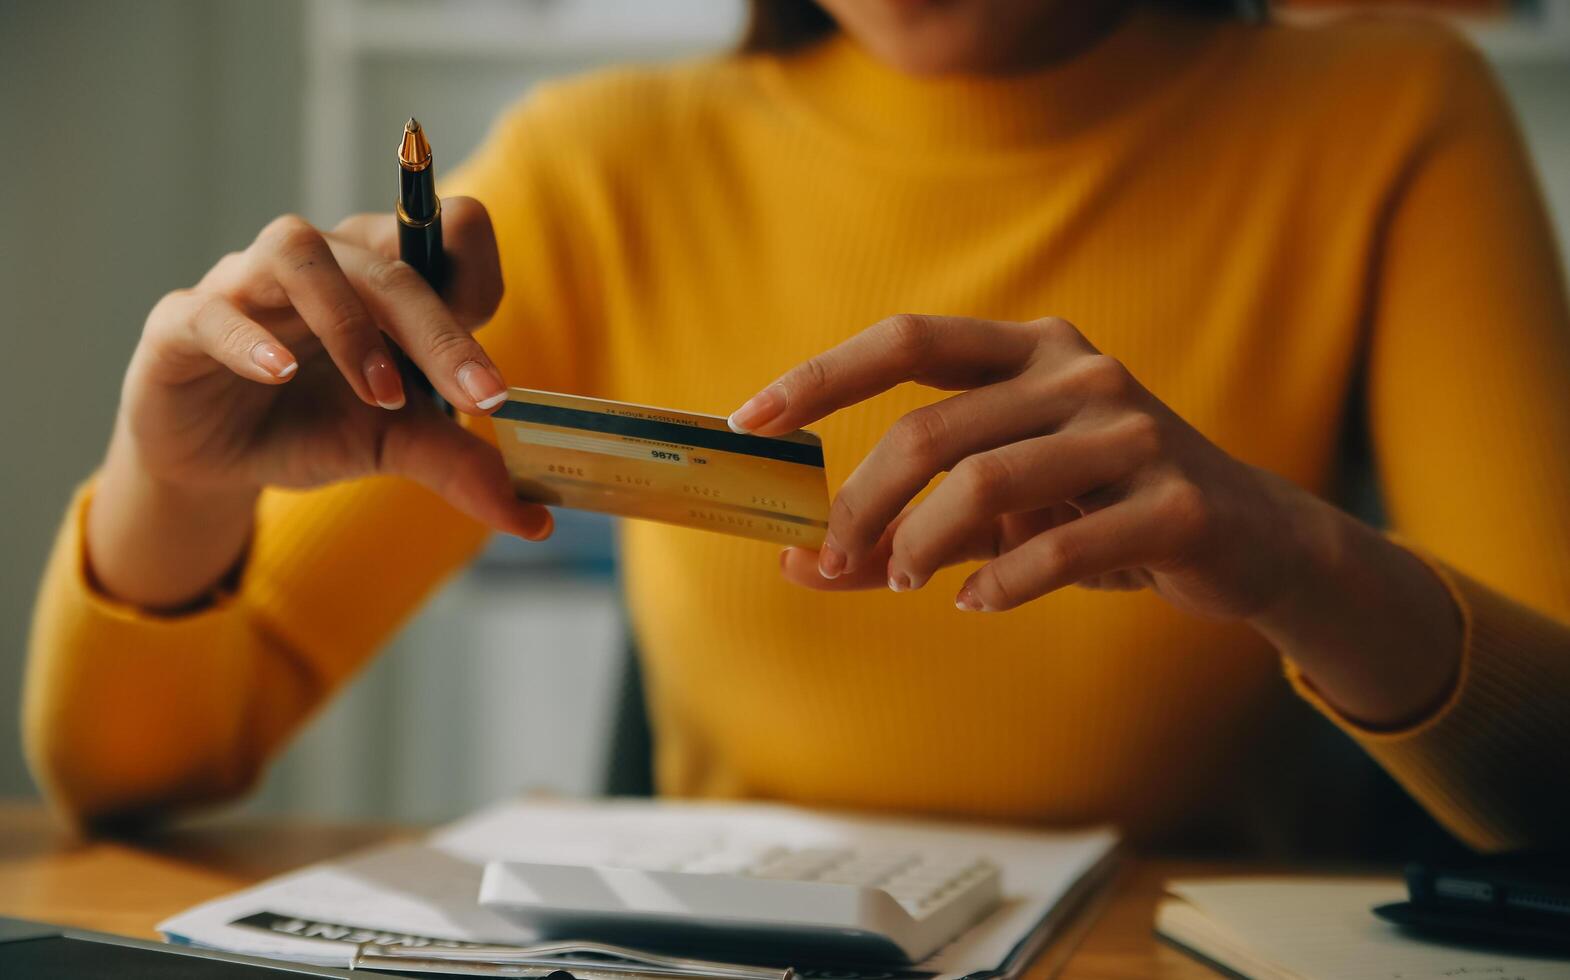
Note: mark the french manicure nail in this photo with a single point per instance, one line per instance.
(899, 582)
(274, 360)
(758, 410)
(482, 384)
(968, 601)
(831, 561)
(381, 374)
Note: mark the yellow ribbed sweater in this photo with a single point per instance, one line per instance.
(1259, 221)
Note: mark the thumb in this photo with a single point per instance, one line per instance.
(463, 469)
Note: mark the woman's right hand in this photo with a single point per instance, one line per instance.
(275, 370)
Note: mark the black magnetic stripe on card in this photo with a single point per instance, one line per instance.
(667, 432)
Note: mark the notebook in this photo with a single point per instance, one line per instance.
(1321, 929)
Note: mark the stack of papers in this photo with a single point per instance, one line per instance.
(425, 894)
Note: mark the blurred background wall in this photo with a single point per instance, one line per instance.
(142, 140)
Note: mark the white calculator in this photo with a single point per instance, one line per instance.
(784, 904)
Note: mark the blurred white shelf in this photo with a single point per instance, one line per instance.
(532, 29)
(1542, 35)
(346, 42)
(497, 687)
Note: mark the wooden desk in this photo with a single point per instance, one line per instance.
(128, 887)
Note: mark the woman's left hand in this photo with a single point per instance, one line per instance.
(1062, 470)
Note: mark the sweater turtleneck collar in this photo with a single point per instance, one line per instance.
(877, 104)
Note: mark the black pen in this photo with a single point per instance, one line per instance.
(420, 230)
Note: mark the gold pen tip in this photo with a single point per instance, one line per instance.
(415, 150)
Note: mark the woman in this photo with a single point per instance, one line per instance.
(1157, 254)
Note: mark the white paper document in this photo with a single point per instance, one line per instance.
(1323, 929)
(426, 893)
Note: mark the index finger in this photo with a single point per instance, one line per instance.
(413, 315)
(473, 286)
(938, 351)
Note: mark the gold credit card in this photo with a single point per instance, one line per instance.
(663, 465)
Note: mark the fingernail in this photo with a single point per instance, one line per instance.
(545, 528)
(381, 374)
(758, 409)
(831, 561)
(899, 582)
(547, 524)
(274, 360)
(968, 601)
(482, 384)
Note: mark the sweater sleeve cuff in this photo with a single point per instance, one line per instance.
(1471, 760)
(91, 656)
(72, 548)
